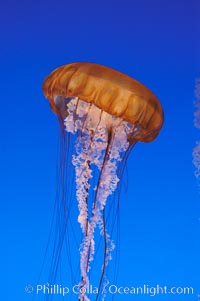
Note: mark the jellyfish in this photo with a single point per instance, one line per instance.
(104, 114)
(196, 150)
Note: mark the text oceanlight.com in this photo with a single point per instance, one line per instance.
(113, 289)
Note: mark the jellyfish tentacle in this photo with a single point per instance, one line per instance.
(106, 185)
(102, 140)
(88, 242)
(83, 175)
(109, 184)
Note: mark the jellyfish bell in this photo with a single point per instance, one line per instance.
(108, 112)
(109, 90)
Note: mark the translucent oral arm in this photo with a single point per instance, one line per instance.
(102, 140)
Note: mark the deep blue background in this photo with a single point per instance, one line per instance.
(156, 42)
